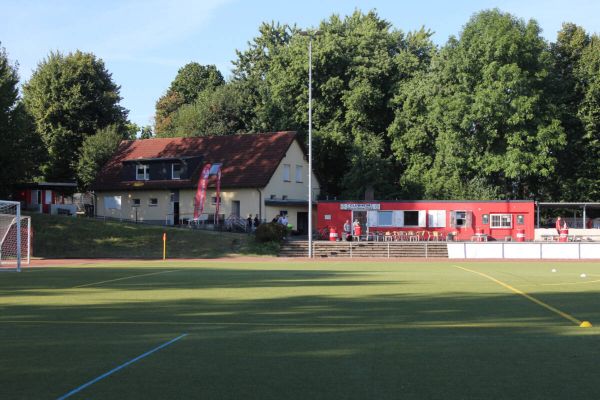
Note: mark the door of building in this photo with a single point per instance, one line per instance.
(175, 206)
(302, 223)
(361, 216)
(235, 208)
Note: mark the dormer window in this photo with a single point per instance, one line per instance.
(142, 172)
(175, 171)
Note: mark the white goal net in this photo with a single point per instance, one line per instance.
(15, 236)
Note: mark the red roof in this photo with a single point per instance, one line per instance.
(249, 160)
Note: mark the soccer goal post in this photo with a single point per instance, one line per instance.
(15, 236)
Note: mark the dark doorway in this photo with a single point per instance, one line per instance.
(361, 216)
(302, 223)
(175, 213)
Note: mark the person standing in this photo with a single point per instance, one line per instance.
(249, 222)
(256, 221)
(558, 225)
(356, 227)
(347, 229)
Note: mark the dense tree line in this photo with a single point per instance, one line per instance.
(496, 112)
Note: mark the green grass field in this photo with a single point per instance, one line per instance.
(61, 237)
(280, 329)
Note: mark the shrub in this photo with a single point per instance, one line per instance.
(270, 232)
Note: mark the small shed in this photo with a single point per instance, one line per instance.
(39, 196)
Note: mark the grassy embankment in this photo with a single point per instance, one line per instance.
(66, 237)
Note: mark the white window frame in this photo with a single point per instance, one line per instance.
(380, 213)
(112, 202)
(299, 173)
(286, 172)
(468, 219)
(501, 221)
(145, 176)
(173, 171)
(136, 202)
(436, 218)
(150, 202)
(213, 200)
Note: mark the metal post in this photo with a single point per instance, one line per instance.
(538, 215)
(584, 217)
(310, 221)
(18, 238)
(28, 241)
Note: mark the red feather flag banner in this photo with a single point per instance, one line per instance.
(201, 192)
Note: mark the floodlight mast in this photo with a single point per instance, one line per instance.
(310, 35)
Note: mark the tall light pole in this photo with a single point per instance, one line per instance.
(310, 39)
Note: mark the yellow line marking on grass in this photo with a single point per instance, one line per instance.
(122, 279)
(528, 297)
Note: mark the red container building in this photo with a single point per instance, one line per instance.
(461, 220)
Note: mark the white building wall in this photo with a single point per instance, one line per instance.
(143, 213)
(251, 200)
(294, 190)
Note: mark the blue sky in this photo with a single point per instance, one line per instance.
(145, 42)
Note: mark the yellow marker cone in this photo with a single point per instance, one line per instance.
(585, 324)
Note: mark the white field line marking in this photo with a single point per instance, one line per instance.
(124, 278)
(282, 325)
(120, 367)
(569, 283)
(528, 297)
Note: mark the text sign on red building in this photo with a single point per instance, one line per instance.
(360, 206)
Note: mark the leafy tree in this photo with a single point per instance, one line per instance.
(567, 94)
(146, 132)
(250, 72)
(481, 116)
(216, 111)
(70, 97)
(194, 78)
(358, 64)
(191, 80)
(166, 107)
(95, 152)
(587, 74)
(20, 147)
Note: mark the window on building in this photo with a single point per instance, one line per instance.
(213, 200)
(112, 202)
(286, 172)
(153, 202)
(460, 219)
(436, 218)
(520, 219)
(299, 173)
(411, 218)
(135, 202)
(175, 171)
(273, 197)
(284, 197)
(501, 221)
(385, 218)
(485, 219)
(142, 172)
